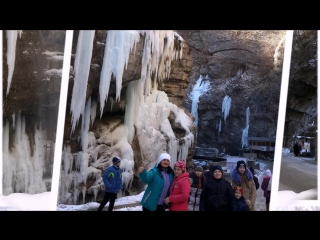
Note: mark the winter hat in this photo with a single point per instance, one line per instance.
(268, 172)
(115, 160)
(217, 167)
(198, 168)
(241, 163)
(181, 164)
(164, 156)
(238, 188)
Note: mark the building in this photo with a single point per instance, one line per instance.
(261, 148)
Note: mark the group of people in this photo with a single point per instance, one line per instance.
(174, 189)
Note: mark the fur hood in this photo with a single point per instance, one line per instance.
(236, 177)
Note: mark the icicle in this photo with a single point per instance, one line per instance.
(11, 53)
(226, 105)
(81, 73)
(116, 56)
(85, 126)
(93, 111)
(244, 140)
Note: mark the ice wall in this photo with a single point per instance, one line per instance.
(146, 115)
(23, 172)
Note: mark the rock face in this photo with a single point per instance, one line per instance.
(245, 66)
(32, 67)
(301, 112)
(302, 92)
(105, 131)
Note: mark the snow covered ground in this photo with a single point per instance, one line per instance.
(40, 202)
(287, 200)
(291, 201)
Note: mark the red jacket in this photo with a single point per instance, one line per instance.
(179, 193)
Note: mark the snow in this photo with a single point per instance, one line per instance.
(36, 202)
(40, 202)
(304, 201)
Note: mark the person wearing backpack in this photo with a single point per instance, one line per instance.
(196, 188)
(266, 187)
(255, 179)
(217, 193)
(112, 180)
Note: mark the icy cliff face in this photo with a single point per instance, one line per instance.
(245, 66)
(126, 111)
(32, 76)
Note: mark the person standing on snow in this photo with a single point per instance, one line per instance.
(180, 188)
(112, 180)
(159, 180)
(255, 179)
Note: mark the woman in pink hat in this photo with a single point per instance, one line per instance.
(179, 189)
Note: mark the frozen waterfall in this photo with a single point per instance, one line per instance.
(244, 140)
(226, 105)
(11, 53)
(199, 88)
(23, 172)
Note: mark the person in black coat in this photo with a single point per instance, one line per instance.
(242, 204)
(217, 193)
(255, 179)
(296, 149)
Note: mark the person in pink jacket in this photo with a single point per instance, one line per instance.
(179, 189)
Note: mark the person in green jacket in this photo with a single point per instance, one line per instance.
(159, 180)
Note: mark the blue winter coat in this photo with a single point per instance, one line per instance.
(155, 182)
(112, 179)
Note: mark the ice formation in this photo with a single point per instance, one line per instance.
(115, 60)
(81, 73)
(12, 36)
(22, 171)
(146, 115)
(244, 140)
(226, 105)
(199, 88)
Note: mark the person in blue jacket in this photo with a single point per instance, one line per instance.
(112, 180)
(159, 179)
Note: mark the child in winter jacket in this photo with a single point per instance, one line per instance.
(242, 203)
